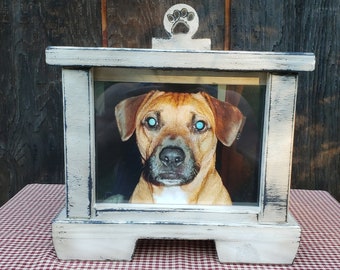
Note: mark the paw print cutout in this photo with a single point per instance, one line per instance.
(181, 23)
(181, 19)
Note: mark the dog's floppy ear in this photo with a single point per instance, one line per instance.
(125, 112)
(229, 120)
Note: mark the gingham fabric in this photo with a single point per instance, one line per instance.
(26, 243)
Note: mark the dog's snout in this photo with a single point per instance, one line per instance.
(172, 156)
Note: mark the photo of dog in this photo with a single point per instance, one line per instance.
(177, 134)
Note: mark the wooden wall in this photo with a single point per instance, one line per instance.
(303, 26)
(31, 125)
(31, 136)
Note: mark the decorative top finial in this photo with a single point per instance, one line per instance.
(181, 23)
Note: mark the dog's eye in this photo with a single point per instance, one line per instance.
(151, 122)
(200, 125)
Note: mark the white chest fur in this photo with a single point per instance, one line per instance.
(171, 195)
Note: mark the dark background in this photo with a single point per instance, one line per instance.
(31, 128)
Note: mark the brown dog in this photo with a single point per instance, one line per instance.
(176, 135)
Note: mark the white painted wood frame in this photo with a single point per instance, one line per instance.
(265, 233)
(181, 59)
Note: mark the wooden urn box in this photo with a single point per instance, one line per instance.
(101, 171)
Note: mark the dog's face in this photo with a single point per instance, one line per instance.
(177, 132)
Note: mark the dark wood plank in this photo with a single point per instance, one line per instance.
(317, 137)
(31, 137)
(302, 26)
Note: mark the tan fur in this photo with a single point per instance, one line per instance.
(176, 112)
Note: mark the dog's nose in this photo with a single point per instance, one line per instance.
(172, 156)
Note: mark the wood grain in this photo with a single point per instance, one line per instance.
(31, 140)
(31, 143)
(317, 137)
(302, 26)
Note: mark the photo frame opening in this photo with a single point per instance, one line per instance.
(119, 165)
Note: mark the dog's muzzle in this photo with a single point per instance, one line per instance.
(172, 157)
(171, 165)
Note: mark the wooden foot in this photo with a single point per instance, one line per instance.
(261, 245)
(95, 248)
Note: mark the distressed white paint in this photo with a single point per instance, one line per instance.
(260, 234)
(180, 59)
(107, 240)
(78, 141)
(278, 132)
(184, 215)
(181, 41)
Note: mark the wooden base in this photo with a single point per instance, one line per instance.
(235, 243)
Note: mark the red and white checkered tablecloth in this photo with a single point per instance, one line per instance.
(26, 243)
